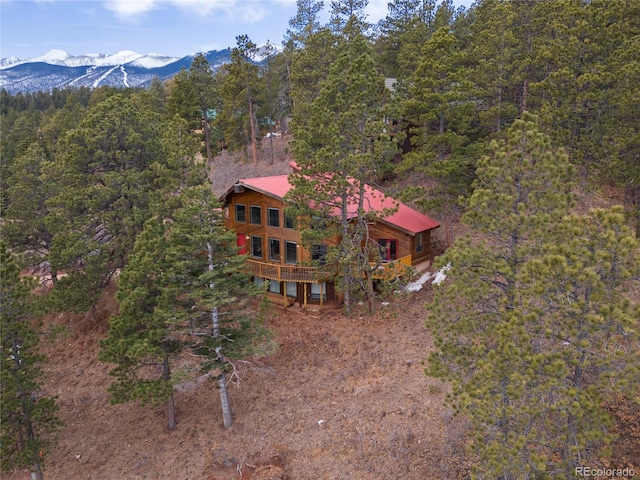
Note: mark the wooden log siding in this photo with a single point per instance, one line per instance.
(425, 254)
(406, 242)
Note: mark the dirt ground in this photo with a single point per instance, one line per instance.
(342, 398)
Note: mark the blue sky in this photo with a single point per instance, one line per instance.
(31, 28)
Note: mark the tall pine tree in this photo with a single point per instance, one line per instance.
(28, 419)
(339, 147)
(484, 334)
(142, 339)
(210, 282)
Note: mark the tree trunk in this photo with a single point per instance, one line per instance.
(171, 413)
(227, 416)
(171, 406)
(252, 122)
(207, 136)
(37, 473)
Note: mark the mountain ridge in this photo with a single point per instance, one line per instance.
(126, 68)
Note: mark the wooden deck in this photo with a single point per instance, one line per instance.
(305, 274)
(290, 273)
(393, 269)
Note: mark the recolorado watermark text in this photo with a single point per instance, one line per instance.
(604, 472)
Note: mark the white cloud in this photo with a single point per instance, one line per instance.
(235, 10)
(129, 9)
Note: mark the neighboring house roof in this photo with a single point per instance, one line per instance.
(404, 218)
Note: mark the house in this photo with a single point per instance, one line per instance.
(255, 210)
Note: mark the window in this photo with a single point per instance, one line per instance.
(274, 249)
(274, 287)
(274, 217)
(418, 242)
(288, 222)
(292, 289)
(319, 254)
(256, 246)
(291, 252)
(318, 289)
(256, 215)
(241, 213)
(388, 249)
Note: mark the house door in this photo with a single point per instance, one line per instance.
(242, 243)
(388, 249)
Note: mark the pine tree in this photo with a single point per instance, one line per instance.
(310, 67)
(210, 283)
(29, 421)
(403, 31)
(585, 322)
(201, 78)
(142, 339)
(238, 92)
(440, 116)
(26, 228)
(338, 148)
(491, 54)
(182, 99)
(348, 12)
(109, 172)
(485, 333)
(303, 24)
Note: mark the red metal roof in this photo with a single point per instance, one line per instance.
(405, 218)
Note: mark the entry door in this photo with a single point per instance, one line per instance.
(242, 243)
(388, 249)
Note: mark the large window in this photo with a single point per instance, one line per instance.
(318, 289)
(274, 249)
(274, 286)
(388, 249)
(291, 252)
(241, 213)
(418, 242)
(274, 217)
(319, 254)
(256, 246)
(288, 222)
(256, 215)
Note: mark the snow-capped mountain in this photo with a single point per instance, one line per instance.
(59, 69)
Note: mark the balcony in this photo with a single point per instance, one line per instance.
(305, 274)
(290, 273)
(392, 269)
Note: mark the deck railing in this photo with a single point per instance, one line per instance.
(392, 269)
(306, 274)
(289, 273)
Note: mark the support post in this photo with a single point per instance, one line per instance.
(305, 297)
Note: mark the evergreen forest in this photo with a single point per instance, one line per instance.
(499, 117)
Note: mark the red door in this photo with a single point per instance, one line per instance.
(242, 243)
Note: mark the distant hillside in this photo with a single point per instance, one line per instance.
(58, 69)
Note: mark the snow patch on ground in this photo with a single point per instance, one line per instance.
(417, 285)
(438, 278)
(441, 275)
